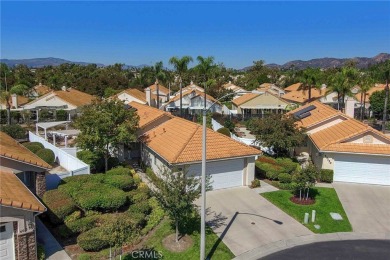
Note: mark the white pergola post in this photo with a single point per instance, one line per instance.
(66, 141)
(54, 139)
(45, 133)
(37, 115)
(36, 130)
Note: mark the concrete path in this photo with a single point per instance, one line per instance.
(264, 187)
(244, 220)
(367, 206)
(277, 246)
(53, 250)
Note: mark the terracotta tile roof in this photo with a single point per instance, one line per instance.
(10, 148)
(232, 87)
(13, 193)
(300, 96)
(75, 97)
(377, 87)
(293, 87)
(321, 113)
(197, 93)
(244, 98)
(138, 94)
(180, 141)
(161, 88)
(20, 99)
(191, 87)
(41, 89)
(360, 148)
(148, 114)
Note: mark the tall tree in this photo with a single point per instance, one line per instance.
(181, 67)
(5, 97)
(377, 104)
(365, 82)
(104, 125)
(310, 79)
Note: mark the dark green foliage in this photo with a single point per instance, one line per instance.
(155, 216)
(93, 240)
(119, 171)
(122, 182)
(287, 164)
(47, 155)
(284, 178)
(137, 219)
(287, 186)
(15, 131)
(41, 252)
(140, 207)
(229, 125)
(255, 183)
(151, 175)
(95, 161)
(326, 175)
(271, 168)
(224, 131)
(377, 104)
(82, 224)
(59, 204)
(34, 146)
(61, 115)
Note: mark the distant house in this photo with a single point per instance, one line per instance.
(16, 102)
(190, 88)
(375, 88)
(300, 97)
(234, 88)
(271, 88)
(176, 143)
(18, 209)
(131, 95)
(259, 105)
(151, 94)
(354, 151)
(68, 99)
(193, 103)
(39, 90)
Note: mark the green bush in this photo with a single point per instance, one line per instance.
(140, 207)
(93, 240)
(137, 219)
(151, 175)
(123, 182)
(61, 115)
(64, 231)
(59, 205)
(41, 252)
(326, 175)
(34, 146)
(119, 171)
(255, 183)
(47, 155)
(15, 131)
(82, 224)
(73, 217)
(101, 197)
(284, 178)
(287, 164)
(90, 158)
(287, 186)
(224, 131)
(155, 216)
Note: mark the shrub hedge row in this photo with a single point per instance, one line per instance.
(93, 240)
(326, 176)
(59, 204)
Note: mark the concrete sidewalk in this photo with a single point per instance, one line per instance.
(53, 250)
(274, 247)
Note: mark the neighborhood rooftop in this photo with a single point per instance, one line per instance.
(11, 149)
(13, 193)
(148, 114)
(71, 96)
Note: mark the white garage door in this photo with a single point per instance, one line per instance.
(362, 169)
(224, 174)
(6, 242)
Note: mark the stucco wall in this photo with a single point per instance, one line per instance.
(24, 218)
(50, 100)
(321, 161)
(376, 139)
(266, 99)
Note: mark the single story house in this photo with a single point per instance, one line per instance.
(190, 88)
(131, 95)
(234, 88)
(271, 88)
(18, 209)
(353, 150)
(259, 104)
(39, 90)
(68, 99)
(177, 143)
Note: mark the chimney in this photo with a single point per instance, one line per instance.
(148, 96)
(230, 82)
(63, 88)
(40, 83)
(14, 99)
(350, 107)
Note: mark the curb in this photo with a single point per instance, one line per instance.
(280, 245)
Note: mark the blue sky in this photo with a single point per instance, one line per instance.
(235, 33)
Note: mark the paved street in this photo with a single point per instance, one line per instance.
(245, 220)
(367, 206)
(351, 249)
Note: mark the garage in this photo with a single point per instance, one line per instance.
(6, 241)
(368, 169)
(224, 174)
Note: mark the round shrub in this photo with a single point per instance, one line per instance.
(284, 178)
(119, 171)
(101, 197)
(93, 240)
(34, 146)
(47, 155)
(140, 207)
(15, 131)
(287, 186)
(82, 224)
(255, 183)
(73, 217)
(123, 182)
(59, 205)
(137, 219)
(224, 131)
(326, 175)
(272, 175)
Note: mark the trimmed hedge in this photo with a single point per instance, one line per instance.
(93, 240)
(224, 131)
(47, 155)
(271, 168)
(82, 224)
(34, 146)
(59, 204)
(119, 171)
(123, 182)
(284, 178)
(15, 131)
(287, 164)
(326, 176)
(140, 207)
(155, 216)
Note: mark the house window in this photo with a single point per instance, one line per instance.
(2, 228)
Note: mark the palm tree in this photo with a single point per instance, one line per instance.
(160, 76)
(181, 66)
(365, 82)
(310, 79)
(205, 66)
(350, 78)
(335, 84)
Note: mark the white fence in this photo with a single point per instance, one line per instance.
(73, 165)
(70, 150)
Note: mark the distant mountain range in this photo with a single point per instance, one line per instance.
(361, 62)
(41, 62)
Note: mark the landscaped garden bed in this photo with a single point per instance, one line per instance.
(326, 202)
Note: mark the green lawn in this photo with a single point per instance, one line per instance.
(326, 202)
(215, 248)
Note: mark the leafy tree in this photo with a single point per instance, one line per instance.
(104, 125)
(277, 132)
(5, 97)
(365, 82)
(209, 117)
(19, 89)
(224, 131)
(377, 104)
(108, 92)
(304, 180)
(229, 124)
(176, 192)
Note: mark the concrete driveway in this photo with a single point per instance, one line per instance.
(367, 206)
(244, 220)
